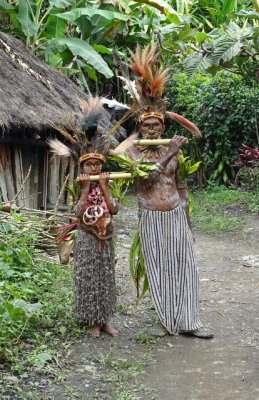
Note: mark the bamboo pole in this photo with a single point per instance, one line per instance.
(151, 142)
(113, 175)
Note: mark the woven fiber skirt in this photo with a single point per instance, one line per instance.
(95, 291)
(171, 268)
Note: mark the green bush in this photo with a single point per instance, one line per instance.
(248, 178)
(25, 279)
(224, 108)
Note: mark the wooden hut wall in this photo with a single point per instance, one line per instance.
(7, 191)
(42, 187)
(15, 163)
(58, 170)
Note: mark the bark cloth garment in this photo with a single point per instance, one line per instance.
(171, 268)
(95, 291)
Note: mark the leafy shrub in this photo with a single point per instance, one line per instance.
(248, 165)
(248, 178)
(224, 108)
(24, 278)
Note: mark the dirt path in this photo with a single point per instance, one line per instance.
(135, 365)
(226, 367)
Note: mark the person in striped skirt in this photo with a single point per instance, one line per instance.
(165, 232)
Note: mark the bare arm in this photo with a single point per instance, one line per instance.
(110, 201)
(84, 180)
(174, 147)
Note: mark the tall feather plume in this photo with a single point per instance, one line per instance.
(130, 87)
(150, 78)
(91, 112)
(142, 60)
(190, 126)
(150, 83)
(88, 122)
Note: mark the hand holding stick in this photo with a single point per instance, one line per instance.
(104, 180)
(84, 180)
(112, 176)
(176, 143)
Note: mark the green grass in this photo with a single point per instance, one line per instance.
(220, 209)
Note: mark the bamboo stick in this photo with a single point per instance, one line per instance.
(151, 142)
(113, 175)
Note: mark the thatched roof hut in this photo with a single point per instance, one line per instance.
(33, 97)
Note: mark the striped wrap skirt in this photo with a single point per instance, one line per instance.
(172, 272)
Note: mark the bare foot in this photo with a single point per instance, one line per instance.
(108, 328)
(94, 332)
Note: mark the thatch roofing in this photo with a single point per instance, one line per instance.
(33, 96)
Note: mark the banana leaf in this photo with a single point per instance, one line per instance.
(137, 266)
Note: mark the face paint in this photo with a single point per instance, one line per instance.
(92, 167)
(151, 128)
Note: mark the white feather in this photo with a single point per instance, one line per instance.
(58, 148)
(114, 104)
(130, 86)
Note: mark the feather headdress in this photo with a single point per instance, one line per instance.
(148, 87)
(88, 136)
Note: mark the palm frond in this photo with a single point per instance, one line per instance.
(226, 48)
(197, 63)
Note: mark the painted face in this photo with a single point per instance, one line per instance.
(151, 128)
(92, 166)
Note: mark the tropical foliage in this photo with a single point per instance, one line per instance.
(137, 266)
(225, 108)
(186, 168)
(79, 37)
(248, 168)
(138, 168)
(222, 34)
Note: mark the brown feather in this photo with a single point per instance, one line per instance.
(190, 126)
(61, 129)
(150, 79)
